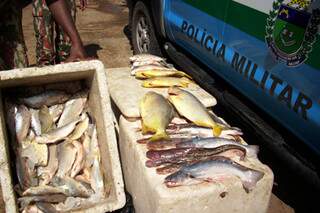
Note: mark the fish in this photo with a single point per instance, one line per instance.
(145, 57)
(46, 207)
(66, 157)
(149, 65)
(79, 129)
(71, 203)
(203, 132)
(72, 187)
(55, 111)
(48, 98)
(43, 190)
(165, 144)
(160, 73)
(166, 82)
(168, 169)
(26, 175)
(190, 152)
(46, 173)
(214, 142)
(170, 153)
(22, 122)
(57, 134)
(73, 108)
(178, 155)
(54, 198)
(209, 170)
(35, 121)
(191, 108)
(80, 159)
(31, 209)
(46, 120)
(36, 153)
(156, 114)
(97, 183)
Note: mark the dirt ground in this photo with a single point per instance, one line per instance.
(102, 28)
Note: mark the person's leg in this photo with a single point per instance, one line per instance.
(12, 46)
(43, 27)
(63, 42)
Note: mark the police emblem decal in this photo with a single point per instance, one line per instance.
(291, 30)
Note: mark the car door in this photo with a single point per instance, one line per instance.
(244, 41)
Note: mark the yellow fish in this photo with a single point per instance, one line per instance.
(166, 82)
(160, 73)
(156, 114)
(191, 108)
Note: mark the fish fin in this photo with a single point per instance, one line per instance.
(185, 75)
(160, 136)
(250, 183)
(217, 129)
(253, 151)
(144, 128)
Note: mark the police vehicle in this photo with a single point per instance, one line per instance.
(267, 53)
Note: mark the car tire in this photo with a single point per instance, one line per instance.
(143, 38)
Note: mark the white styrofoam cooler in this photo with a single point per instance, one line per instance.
(150, 195)
(93, 73)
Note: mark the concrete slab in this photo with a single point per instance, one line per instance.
(151, 195)
(93, 74)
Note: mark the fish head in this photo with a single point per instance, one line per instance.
(147, 83)
(140, 74)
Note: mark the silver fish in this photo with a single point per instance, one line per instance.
(207, 171)
(97, 183)
(43, 190)
(46, 173)
(54, 198)
(55, 111)
(66, 157)
(73, 108)
(214, 142)
(47, 98)
(58, 134)
(22, 122)
(26, 175)
(46, 207)
(31, 209)
(145, 57)
(72, 187)
(80, 159)
(35, 121)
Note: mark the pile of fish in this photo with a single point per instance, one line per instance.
(156, 72)
(188, 143)
(55, 146)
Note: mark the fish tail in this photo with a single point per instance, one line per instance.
(186, 75)
(252, 179)
(217, 129)
(253, 151)
(160, 136)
